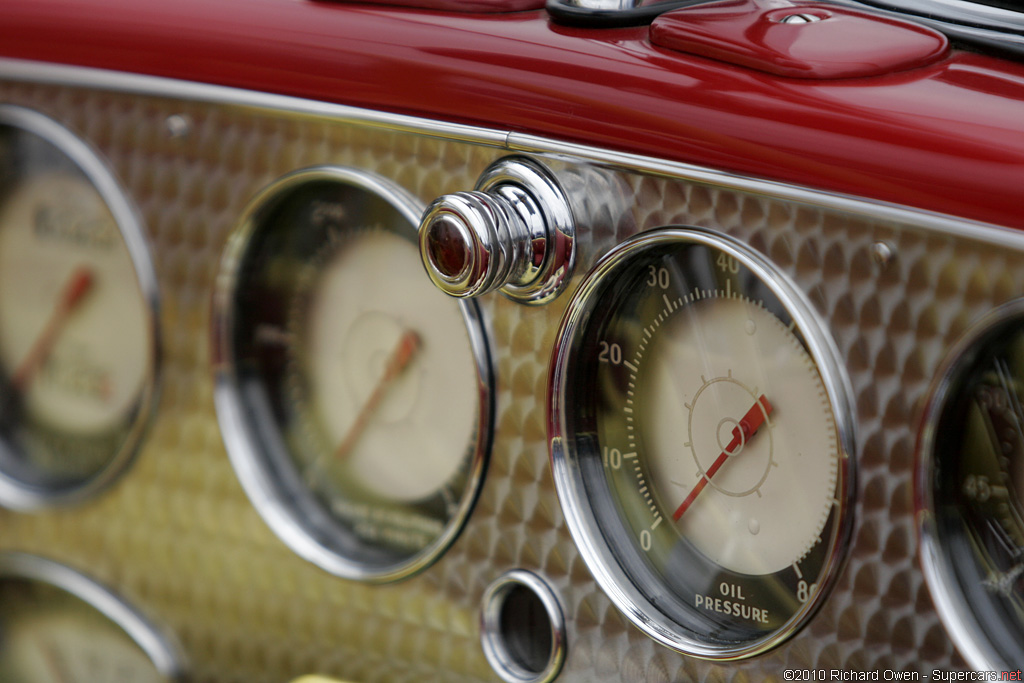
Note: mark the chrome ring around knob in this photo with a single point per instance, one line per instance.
(514, 232)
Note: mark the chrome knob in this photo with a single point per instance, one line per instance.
(514, 232)
(475, 242)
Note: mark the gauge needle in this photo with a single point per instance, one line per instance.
(53, 662)
(75, 289)
(400, 356)
(748, 426)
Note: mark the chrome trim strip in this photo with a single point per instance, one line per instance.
(977, 8)
(75, 76)
(158, 86)
(991, 28)
(875, 210)
(162, 651)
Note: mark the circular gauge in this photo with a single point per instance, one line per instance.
(353, 397)
(78, 337)
(700, 438)
(970, 490)
(59, 626)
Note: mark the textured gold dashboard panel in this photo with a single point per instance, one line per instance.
(178, 537)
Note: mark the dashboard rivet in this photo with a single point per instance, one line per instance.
(178, 126)
(882, 254)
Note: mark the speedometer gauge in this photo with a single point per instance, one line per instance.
(970, 490)
(354, 400)
(700, 442)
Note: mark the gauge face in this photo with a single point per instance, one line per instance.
(354, 398)
(971, 489)
(60, 627)
(700, 443)
(77, 333)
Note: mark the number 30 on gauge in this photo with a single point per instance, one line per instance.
(701, 426)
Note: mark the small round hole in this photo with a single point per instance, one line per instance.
(525, 629)
(522, 629)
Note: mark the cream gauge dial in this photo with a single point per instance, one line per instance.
(700, 440)
(354, 399)
(78, 342)
(750, 524)
(373, 357)
(67, 281)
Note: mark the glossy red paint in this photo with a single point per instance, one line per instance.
(946, 137)
(459, 5)
(835, 43)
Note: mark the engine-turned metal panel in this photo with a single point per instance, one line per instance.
(178, 537)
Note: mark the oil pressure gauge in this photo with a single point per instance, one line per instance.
(700, 442)
(354, 399)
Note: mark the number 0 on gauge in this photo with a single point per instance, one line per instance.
(701, 426)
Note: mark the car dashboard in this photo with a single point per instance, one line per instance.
(499, 538)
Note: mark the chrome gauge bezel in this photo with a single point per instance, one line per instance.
(495, 639)
(14, 493)
(258, 476)
(160, 648)
(956, 611)
(579, 508)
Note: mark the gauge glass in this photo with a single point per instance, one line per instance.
(77, 330)
(701, 432)
(60, 627)
(354, 398)
(971, 491)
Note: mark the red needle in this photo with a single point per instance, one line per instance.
(400, 357)
(54, 662)
(748, 426)
(75, 289)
